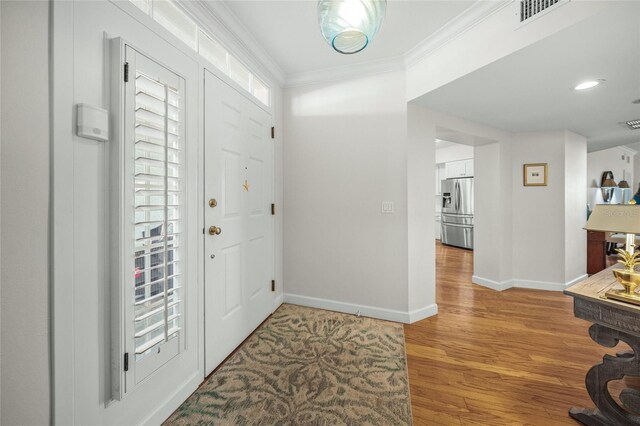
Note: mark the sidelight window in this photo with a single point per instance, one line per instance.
(157, 201)
(150, 206)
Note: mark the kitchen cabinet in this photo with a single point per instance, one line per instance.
(458, 169)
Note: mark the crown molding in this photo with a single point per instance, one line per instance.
(224, 24)
(221, 22)
(345, 72)
(470, 17)
(627, 149)
(467, 19)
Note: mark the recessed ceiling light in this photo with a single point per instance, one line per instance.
(588, 84)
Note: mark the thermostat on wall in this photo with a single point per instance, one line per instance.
(93, 122)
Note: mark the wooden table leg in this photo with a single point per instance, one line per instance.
(608, 411)
(589, 416)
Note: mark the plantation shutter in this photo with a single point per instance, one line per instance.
(155, 292)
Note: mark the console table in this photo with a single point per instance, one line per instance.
(612, 322)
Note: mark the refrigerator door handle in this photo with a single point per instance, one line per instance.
(457, 196)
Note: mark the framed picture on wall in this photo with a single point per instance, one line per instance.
(535, 174)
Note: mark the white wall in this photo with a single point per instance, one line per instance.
(575, 215)
(420, 206)
(468, 51)
(453, 153)
(344, 154)
(538, 222)
(635, 185)
(547, 220)
(24, 379)
(492, 256)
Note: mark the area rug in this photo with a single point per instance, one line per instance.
(308, 366)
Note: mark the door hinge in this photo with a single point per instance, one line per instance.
(273, 285)
(126, 72)
(273, 133)
(126, 361)
(273, 209)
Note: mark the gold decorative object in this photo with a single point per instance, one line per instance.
(628, 277)
(245, 185)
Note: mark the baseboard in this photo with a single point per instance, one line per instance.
(493, 285)
(171, 404)
(422, 313)
(576, 280)
(538, 285)
(278, 301)
(367, 311)
(529, 284)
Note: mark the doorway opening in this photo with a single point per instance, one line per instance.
(454, 194)
(454, 209)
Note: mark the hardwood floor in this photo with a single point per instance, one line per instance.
(512, 357)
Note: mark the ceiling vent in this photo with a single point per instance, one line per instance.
(633, 124)
(531, 8)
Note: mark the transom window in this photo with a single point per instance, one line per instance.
(174, 19)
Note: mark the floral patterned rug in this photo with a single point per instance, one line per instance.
(308, 366)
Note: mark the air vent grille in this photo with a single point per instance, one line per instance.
(633, 124)
(530, 8)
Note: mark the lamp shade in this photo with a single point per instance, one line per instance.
(623, 218)
(350, 25)
(623, 184)
(609, 183)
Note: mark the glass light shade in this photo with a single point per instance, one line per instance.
(350, 25)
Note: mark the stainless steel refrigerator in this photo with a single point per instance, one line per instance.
(457, 212)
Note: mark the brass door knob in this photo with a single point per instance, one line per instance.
(213, 202)
(214, 230)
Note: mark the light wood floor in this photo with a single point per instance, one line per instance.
(512, 357)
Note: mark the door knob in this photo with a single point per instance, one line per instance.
(213, 202)
(214, 230)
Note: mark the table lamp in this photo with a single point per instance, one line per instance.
(622, 218)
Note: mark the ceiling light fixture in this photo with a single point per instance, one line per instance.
(588, 84)
(350, 25)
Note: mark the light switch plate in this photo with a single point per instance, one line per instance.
(387, 207)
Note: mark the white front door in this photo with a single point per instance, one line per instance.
(239, 227)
